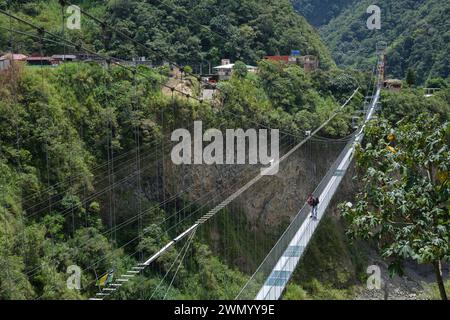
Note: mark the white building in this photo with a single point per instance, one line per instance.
(225, 70)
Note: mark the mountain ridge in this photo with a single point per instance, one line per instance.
(186, 32)
(416, 32)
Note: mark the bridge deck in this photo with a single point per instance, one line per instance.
(292, 244)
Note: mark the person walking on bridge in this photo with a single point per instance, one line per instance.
(313, 202)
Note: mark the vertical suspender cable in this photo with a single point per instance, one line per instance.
(138, 160)
(163, 158)
(11, 66)
(176, 185)
(71, 164)
(47, 138)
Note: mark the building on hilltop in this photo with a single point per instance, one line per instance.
(310, 63)
(225, 70)
(40, 61)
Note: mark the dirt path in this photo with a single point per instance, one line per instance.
(176, 82)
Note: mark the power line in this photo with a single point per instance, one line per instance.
(108, 59)
(104, 25)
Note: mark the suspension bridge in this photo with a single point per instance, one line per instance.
(269, 280)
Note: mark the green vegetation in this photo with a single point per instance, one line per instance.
(416, 32)
(62, 115)
(320, 12)
(183, 31)
(334, 263)
(240, 69)
(56, 125)
(403, 204)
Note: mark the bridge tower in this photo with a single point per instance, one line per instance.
(381, 52)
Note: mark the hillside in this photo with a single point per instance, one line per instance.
(319, 13)
(59, 126)
(416, 31)
(87, 177)
(55, 132)
(187, 32)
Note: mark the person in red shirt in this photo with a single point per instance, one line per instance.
(313, 202)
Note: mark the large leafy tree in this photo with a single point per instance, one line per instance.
(403, 203)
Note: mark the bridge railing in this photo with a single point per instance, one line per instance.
(259, 278)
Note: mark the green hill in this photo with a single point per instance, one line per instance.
(59, 126)
(417, 32)
(185, 31)
(319, 13)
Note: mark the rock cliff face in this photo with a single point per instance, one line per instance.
(272, 200)
(255, 219)
(244, 234)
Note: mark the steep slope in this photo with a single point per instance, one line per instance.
(186, 31)
(319, 13)
(417, 32)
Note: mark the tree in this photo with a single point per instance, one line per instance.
(240, 69)
(437, 83)
(411, 77)
(404, 197)
(423, 48)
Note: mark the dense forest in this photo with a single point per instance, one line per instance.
(184, 31)
(319, 13)
(58, 125)
(416, 33)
